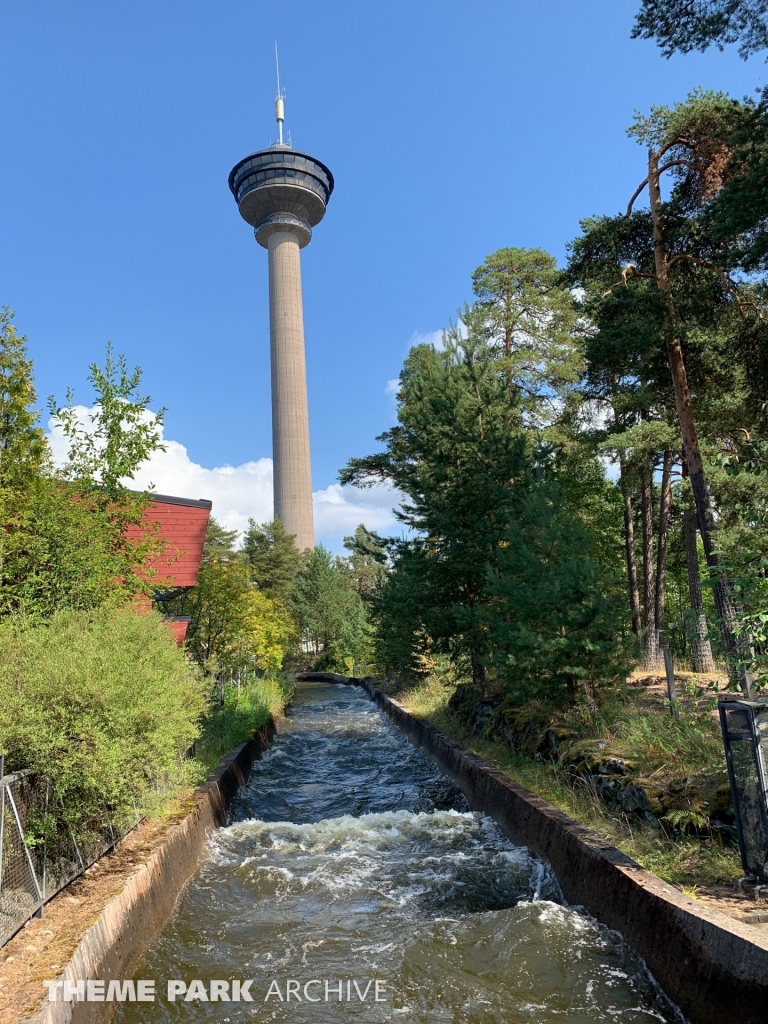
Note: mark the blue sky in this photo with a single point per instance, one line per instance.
(452, 129)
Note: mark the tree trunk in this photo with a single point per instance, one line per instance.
(661, 549)
(704, 516)
(629, 549)
(701, 649)
(649, 582)
(478, 673)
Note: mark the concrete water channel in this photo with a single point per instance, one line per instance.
(350, 859)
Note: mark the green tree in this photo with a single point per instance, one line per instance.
(478, 431)
(219, 542)
(457, 459)
(555, 622)
(367, 560)
(330, 612)
(63, 544)
(687, 264)
(123, 432)
(272, 557)
(233, 626)
(680, 26)
(23, 449)
(528, 320)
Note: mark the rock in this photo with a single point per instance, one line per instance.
(595, 757)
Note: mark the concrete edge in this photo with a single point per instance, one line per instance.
(712, 966)
(129, 921)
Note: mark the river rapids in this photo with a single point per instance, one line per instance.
(350, 859)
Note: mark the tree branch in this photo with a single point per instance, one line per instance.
(637, 192)
(624, 276)
(727, 283)
(677, 163)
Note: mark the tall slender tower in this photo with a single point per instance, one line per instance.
(282, 194)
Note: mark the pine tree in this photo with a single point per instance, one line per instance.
(23, 449)
(330, 612)
(680, 26)
(272, 557)
(367, 560)
(219, 542)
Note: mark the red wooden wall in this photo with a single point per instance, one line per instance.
(183, 522)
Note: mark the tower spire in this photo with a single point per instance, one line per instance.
(282, 194)
(279, 99)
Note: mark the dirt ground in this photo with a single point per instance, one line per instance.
(42, 948)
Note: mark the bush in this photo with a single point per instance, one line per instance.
(103, 704)
(64, 547)
(241, 715)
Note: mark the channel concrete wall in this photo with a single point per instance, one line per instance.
(112, 947)
(712, 966)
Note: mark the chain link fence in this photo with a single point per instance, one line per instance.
(39, 853)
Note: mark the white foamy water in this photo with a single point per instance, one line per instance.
(351, 859)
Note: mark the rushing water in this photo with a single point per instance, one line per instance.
(351, 859)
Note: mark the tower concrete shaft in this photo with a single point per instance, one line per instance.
(290, 416)
(282, 193)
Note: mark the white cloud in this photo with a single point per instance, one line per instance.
(392, 387)
(338, 510)
(238, 492)
(433, 338)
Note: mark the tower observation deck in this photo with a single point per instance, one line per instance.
(282, 193)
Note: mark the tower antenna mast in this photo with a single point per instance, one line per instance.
(279, 99)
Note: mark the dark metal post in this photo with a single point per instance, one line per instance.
(745, 737)
(670, 670)
(2, 814)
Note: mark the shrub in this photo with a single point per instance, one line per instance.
(241, 715)
(104, 705)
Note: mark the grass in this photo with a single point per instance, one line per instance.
(645, 733)
(240, 716)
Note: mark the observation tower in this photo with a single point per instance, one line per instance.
(282, 193)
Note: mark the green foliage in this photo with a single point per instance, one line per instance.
(553, 614)
(245, 710)
(330, 612)
(123, 432)
(232, 625)
(62, 548)
(456, 458)
(272, 557)
(104, 705)
(367, 560)
(399, 609)
(680, 26)
(23, 449)
(746, 558)
(528, 320)
(480, 430)
(219, 543)
(739, 210)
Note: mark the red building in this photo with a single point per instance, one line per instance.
(182, 523)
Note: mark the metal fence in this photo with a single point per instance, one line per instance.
(745, 735)
(39, 853)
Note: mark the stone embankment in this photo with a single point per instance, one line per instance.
(699, 801)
